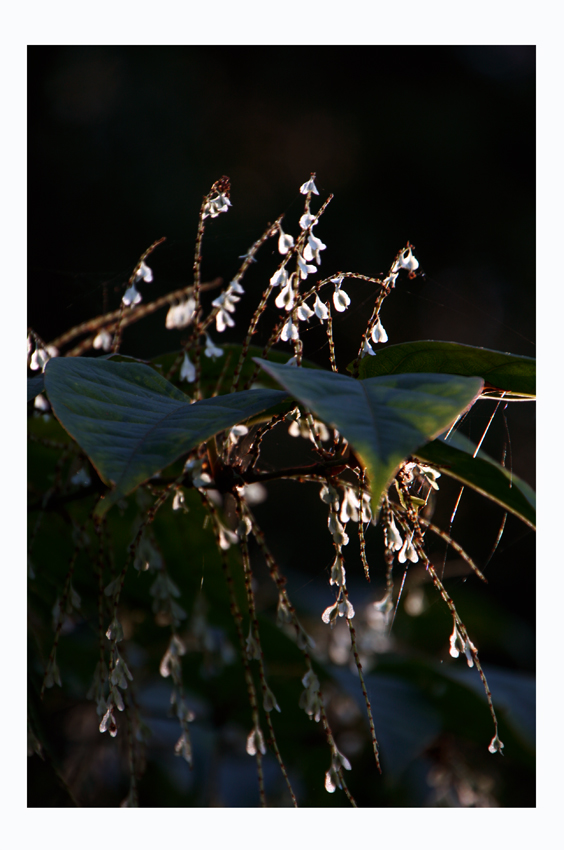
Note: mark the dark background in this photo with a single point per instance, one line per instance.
(435, 145)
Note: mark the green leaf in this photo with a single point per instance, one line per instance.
(34, 387)
(482, 473)
(384, 419)
(132, 423)
(511, 373)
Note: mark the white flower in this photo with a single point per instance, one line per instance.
(407, 552)
(226, 303)
(285, 298)
(223, 320)
(393, 537)
(212, 350)
(338, 575)
(41, 403)
(180, 315)
(340, 537)
(187, 370)
(178, 502)
(131, 296)
(340, 298)
(279, 278)
(309, 186)
(289, 331)
(306, 220)
(305, 268)
(378, 333)
(429, 474)
(285, 241)
(255, 742)
(390, 281)
(143, 273)
(226, 538)
(407, 261)
(496, 745)
(255, 493)
(458, 645)
(235, 286)
(236, 432)
(304, 312)
(321, 310)
(220, 203)
(367, 349)
(313, 247)
(103, 339)
(39, 359)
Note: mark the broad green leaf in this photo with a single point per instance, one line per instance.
(132, 423)
(34, 386)
(482, 473)
(384, 419)
(511, 373)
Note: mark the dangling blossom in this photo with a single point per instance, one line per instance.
(285, 298)
(406, 260)
(226, 304)
(279, 278)
(108, 722)
(269, 700)
(216, 205)
(305, 268)
(103, 340)
(180, 315)
(285, 241)
(321, 310)
(212, 350)
(458, 645)
(338, 574)
(340, 537)
(367, 349)
(226, 538)
(429, 474)
(252, 646)
(187, 370)
(309, 186)
(39, 359)
(341, 608)
(41, 403)
(351, 504)
(255, 742)
(496, 745)
(178, 503)
(340, 298)
(131, 296)
(236, 433)
(307, 220)
(407, 552)
(290, 331)
(332, 779)
(378, 333)
(313, 247)
(304, 312)
(309, 698)
(143, 273)
(393, 537)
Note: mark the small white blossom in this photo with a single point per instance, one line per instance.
(226, 538)
(285, 241)
(338, 574)
(178, 502)
(81, 478)
(255, 742)
(305, 268)
(496, 745)
(458, 645)
(289, 331)
(340, 299)
(41, 403)
(223, 320)
(180, 315)
(187, 370)
(279, 278)
(103, 340)
(306, 220)
(367, 349)
(212, 350)
(131, 296)
(285, 298)
(407, 552)
(407, 261)
(39, 359)
(393, 537)
(216, 205)
(235, 286)
(321, 310)
(304, 312)
(340, 537)
(269, 700)
(378, 333)
(313, 247)
(429, 474)
(143, 273)
(309, 186)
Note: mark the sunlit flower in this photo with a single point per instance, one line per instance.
(289, 331)
(103, 340)
(285, 298)
(218, 204)
(338, 574)
(367, 349)
(304, 312)
(269, 700)
(285, 241)
(313, 247)
(226, 303)
(212, 350)
(41, 403)
(279, 278)
(496, 745)
(143, 273)
(309, 698)
(108, 722)
(407, 552)
(255, 742)
(406, 261)
(131, 296)
(178, 503)
(340, 298)
(39, 359)
(340, 537)
(309, 186)
(305, 268)
(458, 645)
(378, 333)
(306, 220)
(321, 310)
(393, 537)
